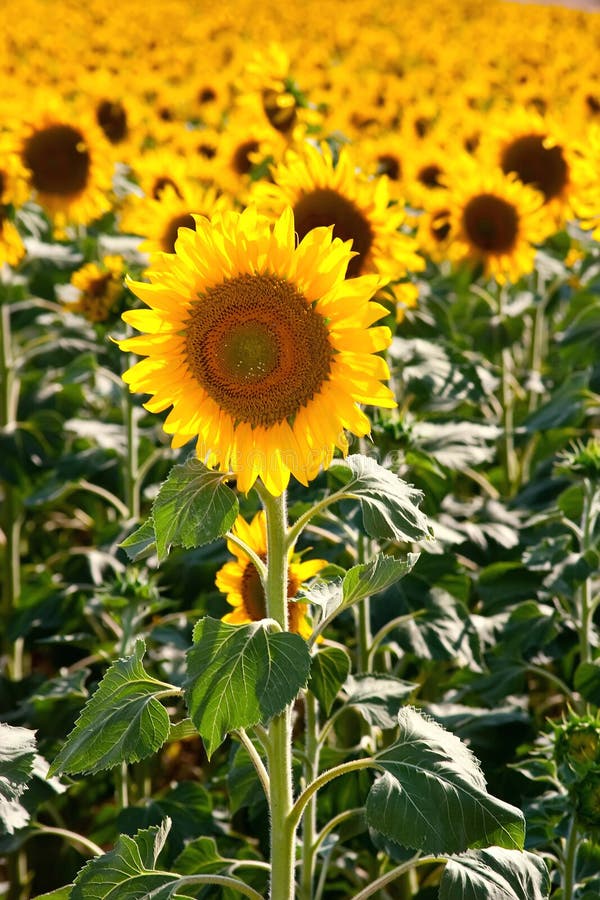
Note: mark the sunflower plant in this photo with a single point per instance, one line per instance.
(265, 354)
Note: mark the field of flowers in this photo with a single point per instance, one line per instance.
(299, 451)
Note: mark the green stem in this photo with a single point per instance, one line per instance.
(386, 629)
(122, 785)
(256, 760)
(355, 813)
(396, 873)
(279, 751)
(569, 873)
(507, 402)
(585, 590)
(131, 475)
(362, 614)
(225, 881)
(508, 422)
(300, 524)
(311, 771)
(71, 836)
(12, 519)
(353, 766)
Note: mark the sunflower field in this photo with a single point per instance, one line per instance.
(299, 450)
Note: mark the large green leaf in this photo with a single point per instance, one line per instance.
(328, 671)
(17, 758)
(378, 697)
(495, 874)
(239, 675)
(193, 507)
(122, 721)
(432, 795)
(389, 504)
(128, 871)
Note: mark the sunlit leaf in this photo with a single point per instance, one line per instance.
(193, 507)
(389, 504)
(378, 574)
(495, 874)
(122, 721)
(129, 870)
(239, 675)
(17, 757)
(432, 795)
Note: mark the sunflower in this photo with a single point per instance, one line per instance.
(158, 168)
(69, 164)
(533, 148)
(159, 220)
(241, 581)
(269, 94)
(494, 220)
(99, 286)
(323, 193)
(261, 347)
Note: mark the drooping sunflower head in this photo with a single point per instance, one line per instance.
(324, 192)
(262, 348)
(242, 584)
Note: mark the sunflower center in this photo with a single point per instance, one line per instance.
(281, 117)
(326, 207)
(543, 167)
(112, 119)
(389, 165)
(430, 176)
(98, 286)
(2, 183)
(440, 226)
(185, 220)
(258, 349)
(491, 223)
(161, 183)
(253, 593)
(58, 160)
(241, 158)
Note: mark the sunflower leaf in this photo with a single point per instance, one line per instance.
(495, 874)
(122, 721)
(376, 575)
(239, 675)
(432, 795)
(378, 697)
(17, 758)
(389, 504)
(193, 507)
(141, 542)
(329, 669)
(129, 869)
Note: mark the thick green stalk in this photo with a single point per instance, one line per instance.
(569, 871)
(279, 753)
(132, 493)
(309, 821)
(362, 613)
(12, 519)
(585, 590)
